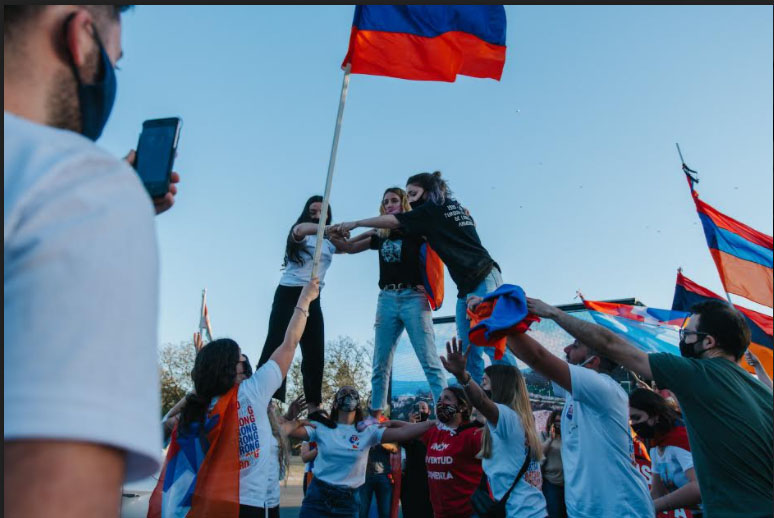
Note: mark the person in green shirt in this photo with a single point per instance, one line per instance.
(729, 413)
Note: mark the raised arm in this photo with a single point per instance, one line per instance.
(596, 337)
(528, 350)
(406, 432)
(304, 229)
(755, 363)
(386, 221)
(455, 362)
(284, 353)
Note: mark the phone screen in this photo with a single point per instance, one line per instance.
(154, 149)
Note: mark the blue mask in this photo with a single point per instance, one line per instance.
(96, 100)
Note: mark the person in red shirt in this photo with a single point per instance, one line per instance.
(453, 471)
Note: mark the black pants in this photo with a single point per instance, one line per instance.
(248, 511)
(312, 341)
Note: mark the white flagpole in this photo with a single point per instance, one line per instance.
(204, 321)
(329, 179)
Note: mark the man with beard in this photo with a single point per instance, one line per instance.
(728, 412)
(81, 401)
(596, 443)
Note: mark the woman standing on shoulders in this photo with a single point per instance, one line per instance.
(402, 302)
(450, 230)
(299, 255)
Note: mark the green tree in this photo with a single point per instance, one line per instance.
(175, 364)
(347, 362)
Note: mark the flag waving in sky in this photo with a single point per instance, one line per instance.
(428, 42)
(743, 256)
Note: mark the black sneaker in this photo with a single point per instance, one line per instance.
(320, 417)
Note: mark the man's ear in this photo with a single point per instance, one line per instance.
(79, 36)
(708, 343)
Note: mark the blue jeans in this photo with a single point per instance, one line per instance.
(380, 485)
(476, 356)
(554, 500)
(397, 310)
(326, 500)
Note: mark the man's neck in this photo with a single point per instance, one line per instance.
(717, 353)
(25, 100)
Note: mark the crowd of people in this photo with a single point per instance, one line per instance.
(81, 284)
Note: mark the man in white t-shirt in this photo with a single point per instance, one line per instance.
(597, 451)
(81, 388)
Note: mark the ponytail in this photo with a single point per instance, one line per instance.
(435, 187)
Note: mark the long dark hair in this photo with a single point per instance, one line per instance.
(656, 406)
(435, 187)
(213, 375)
(550, 421)
(293, 249)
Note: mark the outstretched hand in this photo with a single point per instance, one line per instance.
(198, 343)
(455, 361)
(752, 360)
(541, 309)
(311, 291)
(296, 408)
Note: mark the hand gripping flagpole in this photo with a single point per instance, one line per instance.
(329, 179)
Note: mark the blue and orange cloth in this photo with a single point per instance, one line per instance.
(427, 42)
(688, 293)
(743, 256)
(200, 477)
(501, 313)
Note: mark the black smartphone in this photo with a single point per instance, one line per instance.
(156, 153)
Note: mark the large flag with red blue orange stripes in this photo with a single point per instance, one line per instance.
(688, 293)
(428, 42)
(200, 477)
(743, 256)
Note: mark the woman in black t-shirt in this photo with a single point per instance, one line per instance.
(402, 302)
(450, 230)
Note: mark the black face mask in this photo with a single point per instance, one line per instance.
(644, 430)
(688, 350)
(347, 402)
(417, 203)
(423, 416)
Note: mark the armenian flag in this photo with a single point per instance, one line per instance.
(200, 477)
(688, 293)
(652, 330)
(431, 268)
(501, 312)
(427, 42)
(743, 256)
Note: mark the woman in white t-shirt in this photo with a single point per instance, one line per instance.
(509, 435)
(673, 483)
(217, 369)
(297, 269)
(340, 466)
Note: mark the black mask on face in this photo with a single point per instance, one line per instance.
(417, 203)
(688, 350)
(423, 416)
(446, 413)
(644, 430)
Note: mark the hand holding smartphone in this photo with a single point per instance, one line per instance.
(156, 151)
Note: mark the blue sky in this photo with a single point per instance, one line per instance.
(568, 164)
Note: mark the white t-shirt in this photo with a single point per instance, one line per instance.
(342, 453)
(671, 466)
(298, 275)
(80, 296)
(526, 500)
(258, 463)
(600, 478)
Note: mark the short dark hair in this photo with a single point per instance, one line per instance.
(654, 405)
(16, 16)
(725, 323)
(436, 187)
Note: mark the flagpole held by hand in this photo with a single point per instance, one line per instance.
(329, 179)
